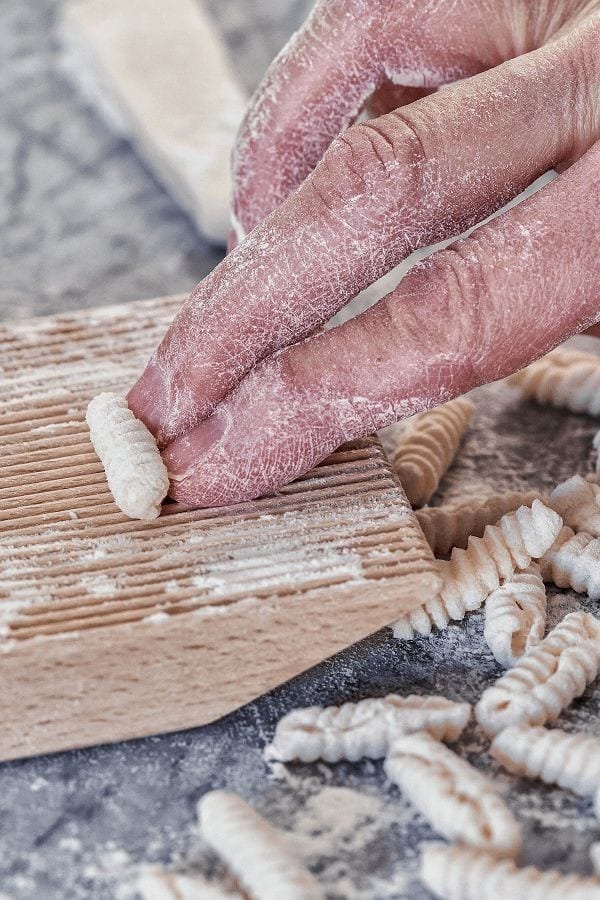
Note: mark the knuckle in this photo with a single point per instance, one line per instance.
(364, 161)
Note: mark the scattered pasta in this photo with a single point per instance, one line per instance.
(458, 801)
(364, 729)
(577, 501)
(470, 575)
(464, 873)
(427, 447)
(135, 472)
(446, 527)
(515, 615)
(571, 761)
(156, 883)
(563, 379)
(573, 561)
(258, 854)
(546, 679)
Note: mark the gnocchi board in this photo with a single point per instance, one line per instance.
(113, 628)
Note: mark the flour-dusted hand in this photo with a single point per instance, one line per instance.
(243, 387)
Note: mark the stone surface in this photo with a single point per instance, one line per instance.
(82, 223)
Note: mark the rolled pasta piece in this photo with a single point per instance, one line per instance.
(577, 501)
(574, 562)
(136, 474)
(515, 615)
(546, 679)
(571, 761)
(449, 526)
(156, 883)
(464, 873)
(563, 379)
(457, 800)
(470, 575)
(427, 447)
(260, 856)
(364, 729)
(595, 857)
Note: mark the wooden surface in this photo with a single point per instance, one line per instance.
(113, 628)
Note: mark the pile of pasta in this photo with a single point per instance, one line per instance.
(500, 554)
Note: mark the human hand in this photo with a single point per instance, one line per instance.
(241, 389)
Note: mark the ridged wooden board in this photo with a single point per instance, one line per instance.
(112, 628)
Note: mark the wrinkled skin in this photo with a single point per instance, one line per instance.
(246, 392)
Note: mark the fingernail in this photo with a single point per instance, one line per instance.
(185, 455)
(148, 399)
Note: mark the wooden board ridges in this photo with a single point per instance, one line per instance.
(113, 628)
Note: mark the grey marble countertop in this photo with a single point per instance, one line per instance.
(83, 223)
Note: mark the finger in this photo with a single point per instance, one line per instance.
(470, 314)
(408, 179)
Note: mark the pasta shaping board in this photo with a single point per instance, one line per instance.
(113, 628)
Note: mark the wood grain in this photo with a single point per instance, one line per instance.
(114, 628)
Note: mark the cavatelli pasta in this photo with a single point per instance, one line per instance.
(571, 761)
(574, 562)
(366, 728)
(546, 679)
(470, 575)
(563, 379)
(515, 615)
(458, 801)
(259, 855)
(135, 472)
(427, 447)
(465, 873)
(451, 526)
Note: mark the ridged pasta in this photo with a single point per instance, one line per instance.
(260, 856)
(573, 562)
(470, 575)
(577, 501)
(446, 527)
(427, 447)
(515, 615)
(563, 379)
(156, 883)
(135, 472)
(364, 729)
(458, 801)
(546, 679)
(464, 873)
(571, 761)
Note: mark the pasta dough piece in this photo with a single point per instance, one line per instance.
(258, 854)
(577, 502)
(563, 379)
(135, 472)
(546, 679)
(471, 575)
(574, 562)
(366, 728)
(463, 873)
(595, 857)
(458, 801)
(571, 761)
(515, 615)
(428, 446)
(156, 883)
(446, 527)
